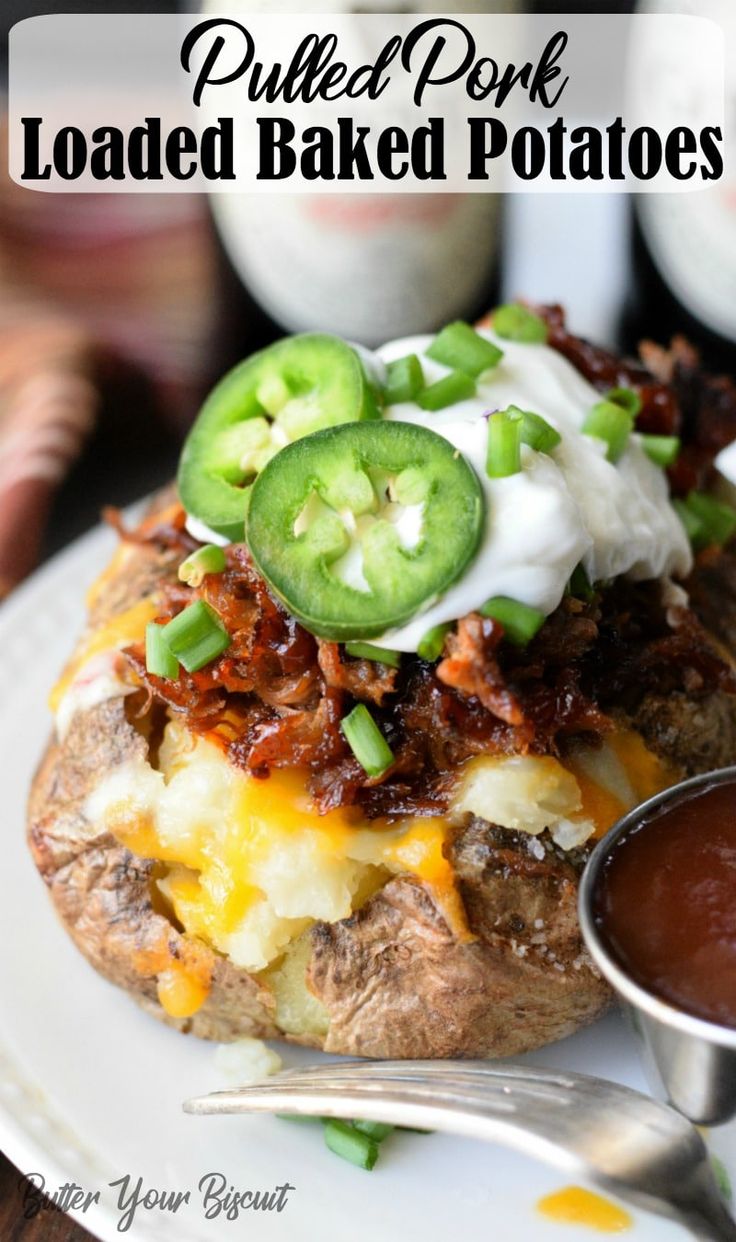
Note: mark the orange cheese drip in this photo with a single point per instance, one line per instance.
(574, 1205)
(183, 981)
(180, 993)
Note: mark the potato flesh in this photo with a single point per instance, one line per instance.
(251, 865)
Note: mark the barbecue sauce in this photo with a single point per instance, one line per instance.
(666, 903)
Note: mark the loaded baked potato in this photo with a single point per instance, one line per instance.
(215, 846)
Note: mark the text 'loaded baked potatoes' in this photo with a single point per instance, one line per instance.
(214, 844)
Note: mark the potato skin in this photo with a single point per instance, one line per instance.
(398, 983)
(394, 978)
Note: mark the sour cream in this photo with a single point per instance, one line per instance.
(568, 507)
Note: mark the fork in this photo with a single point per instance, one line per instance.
(617, 1138)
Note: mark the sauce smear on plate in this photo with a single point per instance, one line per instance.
(666, 903)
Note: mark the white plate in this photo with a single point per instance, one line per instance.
(92, 1087)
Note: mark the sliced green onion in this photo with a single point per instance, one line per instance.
(366, 651)
(536, 431)
(431, 643)
(451, 388)
(404, 379)
(579, 584)
(348, 1143)
(366, 741)
(694, 528)
(459, 346)
(608, 421)
(503, 456)
(377, 1130)
(207, 560)
(626, 398)
(718, 521)
(196, 636)
(517, 323)
(662, 450)
(520, 622)
(160, 660)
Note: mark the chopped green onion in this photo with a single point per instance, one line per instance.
(207, 560)
(662, 450)
(431, 643)
(608, 421)
(517, 323)
(626, 398)
(520, 622)
(718, 521)
(366, 741)
(503, 455)
(451, 388)
(694, 527)
(160, 660)
(196, 636)
(377, 1130)
(404, 379)
(579, 584)
(459, 346)
(366, 651)
(536, 431)
(347, 1142)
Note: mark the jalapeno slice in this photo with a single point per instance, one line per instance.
(356, 528)
(294, 387)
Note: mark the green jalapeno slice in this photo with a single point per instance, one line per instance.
(294, 387)
(356, 528)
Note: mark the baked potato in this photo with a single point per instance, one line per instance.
(212, 848)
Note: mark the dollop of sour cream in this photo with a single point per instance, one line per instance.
(565, 508)
(568, 507)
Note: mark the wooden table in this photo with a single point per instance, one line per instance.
(45, 1227)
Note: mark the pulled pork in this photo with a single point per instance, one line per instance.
(277, 696)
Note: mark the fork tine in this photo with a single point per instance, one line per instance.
(455, 1111)
(639, 1149)
(430, 1069)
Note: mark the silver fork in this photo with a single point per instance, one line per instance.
(644, 1152)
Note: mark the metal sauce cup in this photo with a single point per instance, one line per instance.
(689, 1061)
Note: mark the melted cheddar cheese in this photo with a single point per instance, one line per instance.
(574, 1205)
(617, 775)
(180, 992)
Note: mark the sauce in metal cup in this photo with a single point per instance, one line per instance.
(658, 912)
(666, 901)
